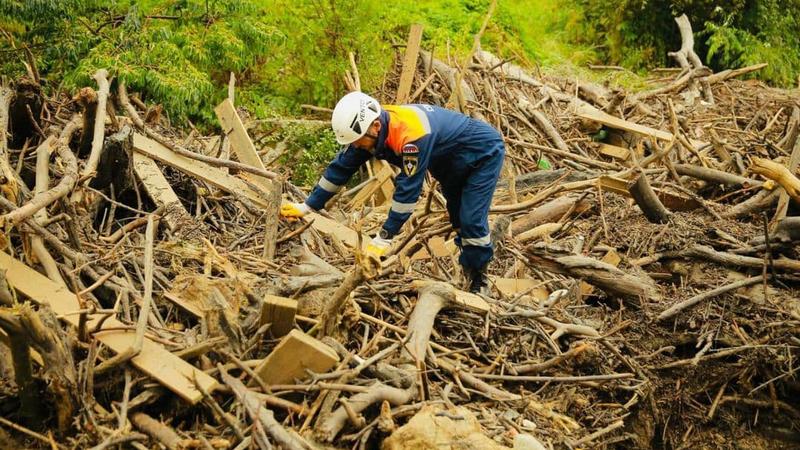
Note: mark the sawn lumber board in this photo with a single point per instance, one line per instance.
(154, 360)
(234, 185)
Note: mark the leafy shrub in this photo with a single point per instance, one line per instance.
(728, 33)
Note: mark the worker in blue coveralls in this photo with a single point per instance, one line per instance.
(465, 155)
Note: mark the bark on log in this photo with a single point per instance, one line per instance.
(647, 200)
(597, 273)
(63, 187)
(261, 415)
(543, 177)
(114, 161)
(548, 212)
(42, 183)
(786, 231)
(377, 393)
(41, 331)
(678, 307)
(24, 111)
(716, 176)
(87, 99)
(331, 316)
(156, 430)
(8, 179)
(759, 202)
(543, 122)
(273, 198)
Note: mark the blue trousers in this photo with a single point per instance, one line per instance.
(468, 178)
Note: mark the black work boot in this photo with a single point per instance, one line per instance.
(478, 284)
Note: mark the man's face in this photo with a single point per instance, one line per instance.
(370, 139)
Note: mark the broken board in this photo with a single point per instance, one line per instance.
(409, 64)
(240, 141)
(295, 353)
(160, 191)
(612, 151)
(457, 297)
(280, 312)
(588, 112)
(513, 286)
(154, 360)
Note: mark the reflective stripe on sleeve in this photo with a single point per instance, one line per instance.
(484, 241)
(403, 208)
(328, 186)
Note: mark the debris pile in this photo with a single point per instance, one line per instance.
(644, 287)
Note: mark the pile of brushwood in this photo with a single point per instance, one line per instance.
(643, 292)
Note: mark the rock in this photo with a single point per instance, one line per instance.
(527, 442)
(437, 428)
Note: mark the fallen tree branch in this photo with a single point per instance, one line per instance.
(90, 168)
(647, 200)
(778, 173)
(602, 275)
(678, 307)
(261, 415)
(63, 187)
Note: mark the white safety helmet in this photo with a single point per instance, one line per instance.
(353, 115)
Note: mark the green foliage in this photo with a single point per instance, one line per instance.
(309, 149)
(175, 52)
(728, 33)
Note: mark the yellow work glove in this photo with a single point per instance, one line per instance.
(294, 210)
(373, 253)
(377, 247)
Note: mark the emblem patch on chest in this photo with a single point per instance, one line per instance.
(410, 155)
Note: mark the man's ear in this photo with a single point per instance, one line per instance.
(376, 126)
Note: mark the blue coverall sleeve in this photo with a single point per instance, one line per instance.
(338, 173)
(409, 186)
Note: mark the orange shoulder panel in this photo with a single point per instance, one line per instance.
(405, 125)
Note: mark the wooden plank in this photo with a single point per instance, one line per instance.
(191, 308)
(201, 170)
(160, 191)
(387, 186)
(331, 227)
(588, 112)
(409, 64)
(292, 356)
(246, 152)
(612, 257)
(171, 371)
(612, 151)
(240, 141)
(513, 286)
(472, 302)
(233, 185)
(280, 312)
